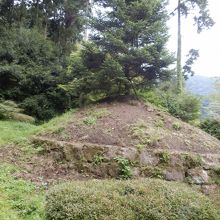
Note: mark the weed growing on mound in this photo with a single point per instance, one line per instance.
(176, 126)
(146, 138)
(124, 167)
(164, 157)
(192, 161)
(93, 115)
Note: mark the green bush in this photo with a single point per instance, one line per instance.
(10, 110)
(135, 199)
(211, 126)
(184, 106)
(30, 73)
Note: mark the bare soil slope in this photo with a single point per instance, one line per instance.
(130, 123)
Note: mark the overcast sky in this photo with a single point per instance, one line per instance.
(208, 42)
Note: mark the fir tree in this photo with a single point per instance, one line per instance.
(127, 47)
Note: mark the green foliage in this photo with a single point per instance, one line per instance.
(19, 200)
(192, 57)
(30, 73)
(139, 132)
(127, 50)
(192, 161)
(19, 132)
(13, 131)
(215, 175)
(89, 120)
(133, 199)
(164, 157)
(60, 21)
(211, 126)
(93, 115)
(184, 106)
(176, 126)
(159, 123)
(151, 96)
(140, 147)
(98, 159)
(217, 170)
(10, 110)
(36, 38)
(124, 167)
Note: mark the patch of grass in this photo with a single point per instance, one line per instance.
(98, 159)
(131, 199)
(56, 124)
(19, 132)
(215, 175)
(159, 123)
(139, 131)
(19, 199)
(100, 113)
(152, 172)
(217, 170)
(140, 147)
(164, 157)
(176, 126)
(93, 115)
(90, 120)
(15, 132)
(192, 161)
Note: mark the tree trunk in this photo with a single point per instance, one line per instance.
(89, 4)
(179, 47)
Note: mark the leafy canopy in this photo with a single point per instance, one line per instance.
(126, 49)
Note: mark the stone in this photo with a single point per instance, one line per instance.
(129, 153)
(198, 176)
(174, 175)
(146, 158)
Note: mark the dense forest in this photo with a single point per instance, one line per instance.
(48, 66)
(88, 90)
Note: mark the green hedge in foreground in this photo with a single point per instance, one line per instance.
(144, 199)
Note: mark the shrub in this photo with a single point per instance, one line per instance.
(124, 167)
(134, 200)
(192, 161)
(31, 70)
(211, 126)
(10, 110)
(184, 106)
(164, 157)
(176, 126)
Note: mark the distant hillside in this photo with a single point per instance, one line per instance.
(204, 87)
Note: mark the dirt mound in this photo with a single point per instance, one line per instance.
(131, 123)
